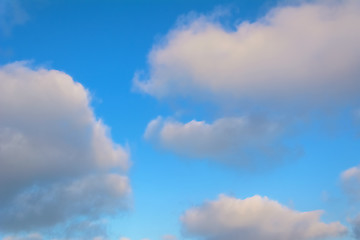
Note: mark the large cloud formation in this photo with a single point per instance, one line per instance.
(255, 218)
(57, 161)
(296, 59)
(242, 141)
(304, 55)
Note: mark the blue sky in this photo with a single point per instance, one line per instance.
(163, 120)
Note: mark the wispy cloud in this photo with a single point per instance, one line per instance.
(12, 14)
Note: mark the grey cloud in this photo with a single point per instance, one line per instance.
(243, 141)
(356, 227)
(89, 197)
(55, 155)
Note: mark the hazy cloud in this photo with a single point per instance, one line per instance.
(356, 227)
(11, 14)
(55, 155)
(169, 237)
(255, 218)
(31, 236)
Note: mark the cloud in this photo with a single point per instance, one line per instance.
(31, 236)
(169, 237)
(305, 56)
(243, 141)
(255, 218)
(356, 227)
(350, 182)
(57, 160)
(11, 14)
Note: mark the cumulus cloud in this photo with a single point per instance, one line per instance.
(11, 14)
(57, 160)
(350, 182)
(305, 55)
(255, 218)
(242, 141)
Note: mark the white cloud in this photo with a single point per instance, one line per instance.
(54, 152)
(350, 182)
(241, 141)
(305, 56)
(255, 218)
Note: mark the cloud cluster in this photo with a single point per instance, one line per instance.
(57, 160)
(241, 141)
(296, 59)
(305, 55)
(255, 218)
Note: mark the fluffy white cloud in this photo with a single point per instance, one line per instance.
(350, 182)
(242, 141)
(255, 218)
(304, 55)
(55, 156)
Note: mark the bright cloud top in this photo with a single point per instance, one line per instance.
(55, 156)
(255, 218)
(241, 141)
(306, 55)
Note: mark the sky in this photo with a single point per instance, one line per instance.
(176, 120)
